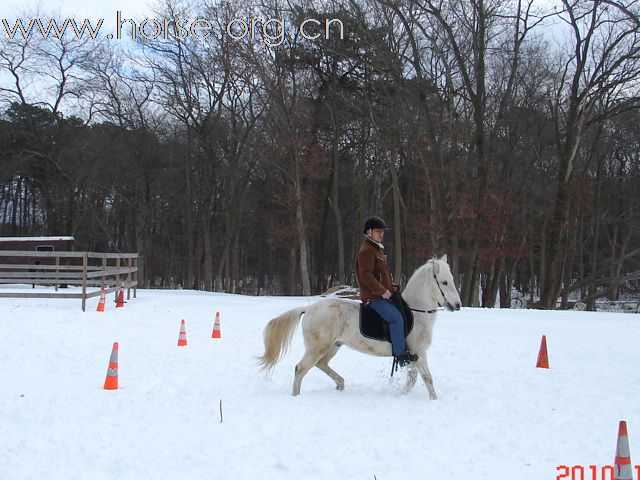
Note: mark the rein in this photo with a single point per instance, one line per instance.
(425, 311)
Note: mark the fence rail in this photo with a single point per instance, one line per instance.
(93, 271)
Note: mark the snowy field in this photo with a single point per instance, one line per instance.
(497, 416)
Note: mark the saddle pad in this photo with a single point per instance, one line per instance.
(373, 326)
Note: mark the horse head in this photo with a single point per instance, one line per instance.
(446, 292)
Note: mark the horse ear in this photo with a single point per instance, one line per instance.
(444, 258)
(436, 266)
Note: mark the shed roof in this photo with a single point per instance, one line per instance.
(36, 239)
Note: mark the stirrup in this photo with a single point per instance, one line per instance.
(402, 361)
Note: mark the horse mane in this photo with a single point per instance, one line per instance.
(422, 282)
(423, 269)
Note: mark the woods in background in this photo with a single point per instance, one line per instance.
(503, 133)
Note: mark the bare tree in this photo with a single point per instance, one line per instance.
(603, 61)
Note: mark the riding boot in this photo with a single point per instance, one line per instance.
(403, 360)
(406, 358)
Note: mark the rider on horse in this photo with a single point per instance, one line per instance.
(376, 286)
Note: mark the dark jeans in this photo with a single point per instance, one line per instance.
(390, 313)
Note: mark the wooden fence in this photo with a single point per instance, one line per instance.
(92, 271)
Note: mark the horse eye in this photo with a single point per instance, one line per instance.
(445, 282)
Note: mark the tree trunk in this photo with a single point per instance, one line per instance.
(397, 221)
(494, 283)
(207, 274)
(593, 264)
(335, 204)
(301, 230)
(189, 211)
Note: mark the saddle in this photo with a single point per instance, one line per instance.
(373, 326)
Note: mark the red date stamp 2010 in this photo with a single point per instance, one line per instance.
(589, 472)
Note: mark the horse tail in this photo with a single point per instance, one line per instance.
(277, 337)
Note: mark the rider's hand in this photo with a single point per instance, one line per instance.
(386, 295)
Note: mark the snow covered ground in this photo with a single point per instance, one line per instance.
(497, 416)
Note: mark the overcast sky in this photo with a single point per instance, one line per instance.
(92, 10)
(76, 8)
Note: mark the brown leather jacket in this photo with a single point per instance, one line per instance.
(372, 271)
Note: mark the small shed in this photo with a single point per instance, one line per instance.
(37, 244)
(34, 244)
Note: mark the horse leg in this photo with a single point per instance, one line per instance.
(308, 361)
(323, 365)
(412, 376)
(423, 368)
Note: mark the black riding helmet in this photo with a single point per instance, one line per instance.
(374, 222)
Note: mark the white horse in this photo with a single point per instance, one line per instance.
(330, 323)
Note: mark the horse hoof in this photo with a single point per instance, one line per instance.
(338, 387)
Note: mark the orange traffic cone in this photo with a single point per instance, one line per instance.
(103, 298)
(182, 338)
(216, 327)
(543, 359)
(111, 382)
(120, 299)
(622, 464)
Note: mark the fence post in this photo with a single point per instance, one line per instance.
(117, 276)
(84, 281)
(57, 271)
(129, 263)
(104, 267)
(135, 287)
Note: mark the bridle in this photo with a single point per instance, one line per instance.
(440, 307)
(444, 297)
